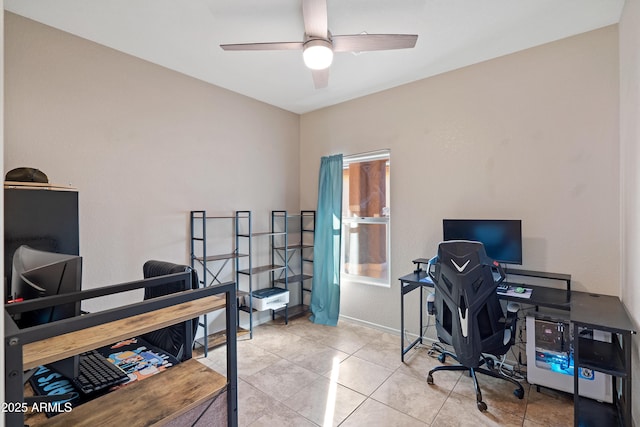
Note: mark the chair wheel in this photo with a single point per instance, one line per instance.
(442, 358)
(430, 379)
(482, 406)
(519, 393)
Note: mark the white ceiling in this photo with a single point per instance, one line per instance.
(184, 35)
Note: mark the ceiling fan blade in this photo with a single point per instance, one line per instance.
(263, 46)
(320, 78)
(314, 13)
(365, 42)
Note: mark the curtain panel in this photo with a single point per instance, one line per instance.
(325, 293)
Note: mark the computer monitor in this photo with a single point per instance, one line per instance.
(37, 274)
(502, 239)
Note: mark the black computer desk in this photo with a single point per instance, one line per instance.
(541, 296)
(588, 310)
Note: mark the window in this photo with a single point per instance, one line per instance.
(365, 218)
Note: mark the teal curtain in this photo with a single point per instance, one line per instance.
(325, 291)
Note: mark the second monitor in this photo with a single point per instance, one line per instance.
(38, 274)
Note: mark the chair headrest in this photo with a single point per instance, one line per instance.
(153, 268)
(462, 254)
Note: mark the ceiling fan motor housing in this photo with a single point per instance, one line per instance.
(317, 53)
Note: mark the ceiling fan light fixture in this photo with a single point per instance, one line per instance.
(317, 54)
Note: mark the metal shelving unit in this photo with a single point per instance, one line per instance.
(289, 243)
(211, 267)
(297, 255)
(245, 269)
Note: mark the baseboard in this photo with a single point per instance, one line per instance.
(372, 325)
(409, 337)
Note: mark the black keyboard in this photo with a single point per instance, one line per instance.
(95, 373)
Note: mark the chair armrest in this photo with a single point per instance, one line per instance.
(509, 322)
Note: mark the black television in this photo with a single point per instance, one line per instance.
(502, 238)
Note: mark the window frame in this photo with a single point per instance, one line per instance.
(348, 221)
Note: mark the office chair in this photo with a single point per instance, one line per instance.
(170, 339)
(468, 313)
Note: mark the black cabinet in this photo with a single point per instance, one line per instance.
(43, 217)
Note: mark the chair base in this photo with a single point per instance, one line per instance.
(518, 392)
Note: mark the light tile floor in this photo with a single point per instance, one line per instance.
(302, 374)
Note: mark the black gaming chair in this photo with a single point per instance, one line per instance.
(170, 339)
(468, 313)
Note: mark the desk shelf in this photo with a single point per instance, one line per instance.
(603, 357)
(609, 358)
(606, 313)
(591, 413)
(58, 347)
(540, 275)
(167, 396)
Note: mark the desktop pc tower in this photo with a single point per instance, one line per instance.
(550, 358)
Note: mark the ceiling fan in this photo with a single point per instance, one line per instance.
(319, 44)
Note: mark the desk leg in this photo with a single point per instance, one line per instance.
(421, 313)
(14, 387)
(232, 363)
(626, 382)
(576, 364)
(403, 349)
(402, 321)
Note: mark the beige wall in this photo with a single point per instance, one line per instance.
(532, 135)
(2, 197)
(144, 145)
(630, 179)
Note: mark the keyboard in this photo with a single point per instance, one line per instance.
(95, 373)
